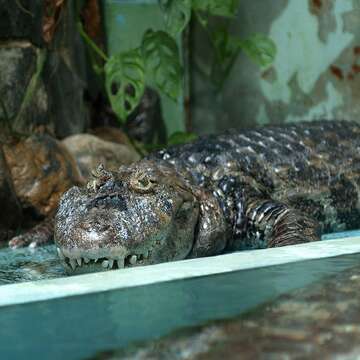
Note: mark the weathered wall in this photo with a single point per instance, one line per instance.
(316, 73)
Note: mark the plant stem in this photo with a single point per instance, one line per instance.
(6, 115)
(31, 88)
(90, 42)
(228, 70)
(22, 8)
(3, 107)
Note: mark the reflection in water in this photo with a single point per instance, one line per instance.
(26, 264)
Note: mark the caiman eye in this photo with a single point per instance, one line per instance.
(100, 177)
(142, 183)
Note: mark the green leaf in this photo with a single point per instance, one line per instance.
(260, 48)
(226, 8)
(226, 45)
(177, 14)
(226, 48)
(161, 55)
(202, 18)
(181, 138)
(125, 82)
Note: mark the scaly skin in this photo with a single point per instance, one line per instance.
(259, 188)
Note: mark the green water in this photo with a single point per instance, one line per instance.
(26, 264)
(79, 327)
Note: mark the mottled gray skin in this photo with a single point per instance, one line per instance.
(259, 188)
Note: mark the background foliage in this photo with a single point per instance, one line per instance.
(156, 60)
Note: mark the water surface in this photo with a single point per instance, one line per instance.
(19, 265)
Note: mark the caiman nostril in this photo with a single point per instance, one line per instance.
(104, 227)
(86, 226)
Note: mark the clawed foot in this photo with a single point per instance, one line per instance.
(30, 240)
(22, 241)
(39, 235)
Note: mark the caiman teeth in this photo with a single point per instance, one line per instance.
(133, 260)
(73, 264)
(60, 253)
(121, 263)
(106, 263)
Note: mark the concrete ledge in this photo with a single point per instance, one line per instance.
(179, 270)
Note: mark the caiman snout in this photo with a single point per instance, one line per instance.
(100, 241)
(137, 216)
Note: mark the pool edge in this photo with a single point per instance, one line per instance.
(42, 290)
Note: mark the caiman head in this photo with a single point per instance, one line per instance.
(143, 214)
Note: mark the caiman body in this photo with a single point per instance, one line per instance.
(258, 188)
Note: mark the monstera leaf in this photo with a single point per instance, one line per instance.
(226, 8)
(260, 49)
(226, 48)
(177, 14)
(125, 82)
(161, 56)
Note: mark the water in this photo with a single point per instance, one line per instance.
(319, 321)
(341, 235)
(26, 264)
(79, 327)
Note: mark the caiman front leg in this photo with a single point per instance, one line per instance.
(39, 235)
(269, 223)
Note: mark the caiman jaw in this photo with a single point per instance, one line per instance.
(78, 262)
(140, 215)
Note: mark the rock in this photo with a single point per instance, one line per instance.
(20, 20)
(41, 170)
(89, 151)
(145, 123)
(18, 65)
(10, 214)
(42, 83)
(66, 106)
(110, 133)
